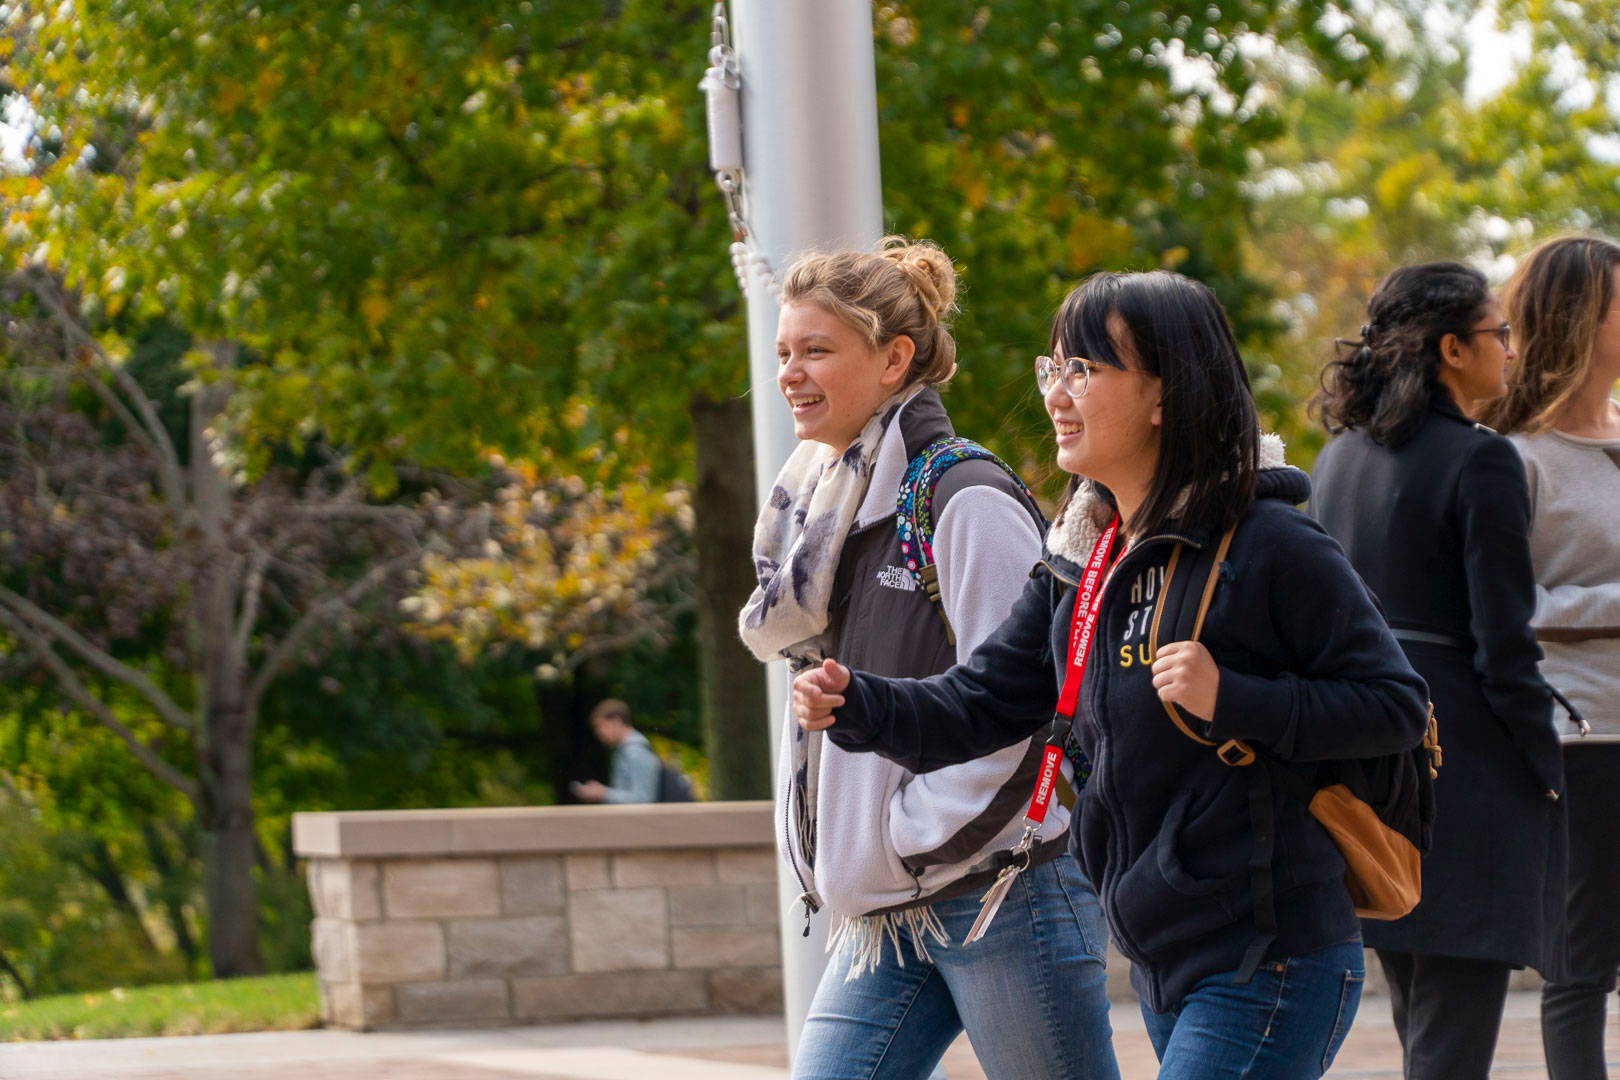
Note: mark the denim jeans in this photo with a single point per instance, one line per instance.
(1031, 994)
(1287, 1023)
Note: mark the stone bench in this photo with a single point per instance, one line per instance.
(517, 915)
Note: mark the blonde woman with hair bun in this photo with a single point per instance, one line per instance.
(902, 860)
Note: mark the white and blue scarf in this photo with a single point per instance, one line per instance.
(797, 543)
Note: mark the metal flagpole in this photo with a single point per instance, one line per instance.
(809, 179)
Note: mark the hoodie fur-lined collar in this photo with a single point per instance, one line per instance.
(1076, 530)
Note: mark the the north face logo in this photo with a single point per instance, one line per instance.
(895, 577)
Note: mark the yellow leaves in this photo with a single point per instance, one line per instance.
(374, 308)
(563, 559)
(968, 174)
(201, 363)
(1402, 184)
(230, 96)
(266, 85)
(1096, 241)
(671, 127)
(977, 191)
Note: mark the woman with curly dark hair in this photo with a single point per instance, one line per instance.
(1433, 511)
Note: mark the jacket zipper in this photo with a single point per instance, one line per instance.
(1128, 947)
(810, 906)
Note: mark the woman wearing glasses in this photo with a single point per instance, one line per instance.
(1433, 511)
(1174, 486)
(1564, 300)
(900, 859)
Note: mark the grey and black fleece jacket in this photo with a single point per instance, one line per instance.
(887, 840)
(1308, 669)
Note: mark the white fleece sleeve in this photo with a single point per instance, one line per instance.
(984, 545)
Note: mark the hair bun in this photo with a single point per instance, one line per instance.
(900, 288)
(930, 272)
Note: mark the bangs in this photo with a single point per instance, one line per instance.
(1208, 461)
(1081, 324)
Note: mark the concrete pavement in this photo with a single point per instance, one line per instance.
(733, 1048)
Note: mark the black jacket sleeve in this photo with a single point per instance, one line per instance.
(1493, 505)
(1003, 694)
(1347, 690)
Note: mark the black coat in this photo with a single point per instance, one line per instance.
(1439, 529)
(1307, 668)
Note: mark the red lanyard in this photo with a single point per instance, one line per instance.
(1081, 631)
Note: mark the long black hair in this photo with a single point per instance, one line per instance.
(1384, 383)
(1209, 432)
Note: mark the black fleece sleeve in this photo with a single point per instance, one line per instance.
(1004, 693)
(1493, 505)
(1347, 690)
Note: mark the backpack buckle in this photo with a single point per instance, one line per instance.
(1235, 753)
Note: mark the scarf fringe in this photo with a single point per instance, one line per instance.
(804, 822)
(864, 935)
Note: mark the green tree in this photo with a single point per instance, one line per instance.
(119, 546)
(1410, 167)
(425, 245)
(162, 593)
(1043, 143)
(466, 219)
(418, 232)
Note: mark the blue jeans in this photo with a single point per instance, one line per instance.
(1286, 1024)
(1032, 994)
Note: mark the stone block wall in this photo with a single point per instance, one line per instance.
(544, 913)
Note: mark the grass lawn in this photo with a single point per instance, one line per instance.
(267, 1003)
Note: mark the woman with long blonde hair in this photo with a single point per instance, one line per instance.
(1564, 305)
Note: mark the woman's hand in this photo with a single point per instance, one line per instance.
(817, 692)
(1185, 673)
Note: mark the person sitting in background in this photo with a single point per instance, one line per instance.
(637, 771)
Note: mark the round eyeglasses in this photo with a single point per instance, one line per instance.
(1074, 371)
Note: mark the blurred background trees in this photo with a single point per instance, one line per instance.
(372, 375)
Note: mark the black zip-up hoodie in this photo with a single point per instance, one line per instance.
(1308, 669)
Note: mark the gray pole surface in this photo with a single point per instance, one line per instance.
(810, 150)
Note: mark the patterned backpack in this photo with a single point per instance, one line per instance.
(915, 510)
